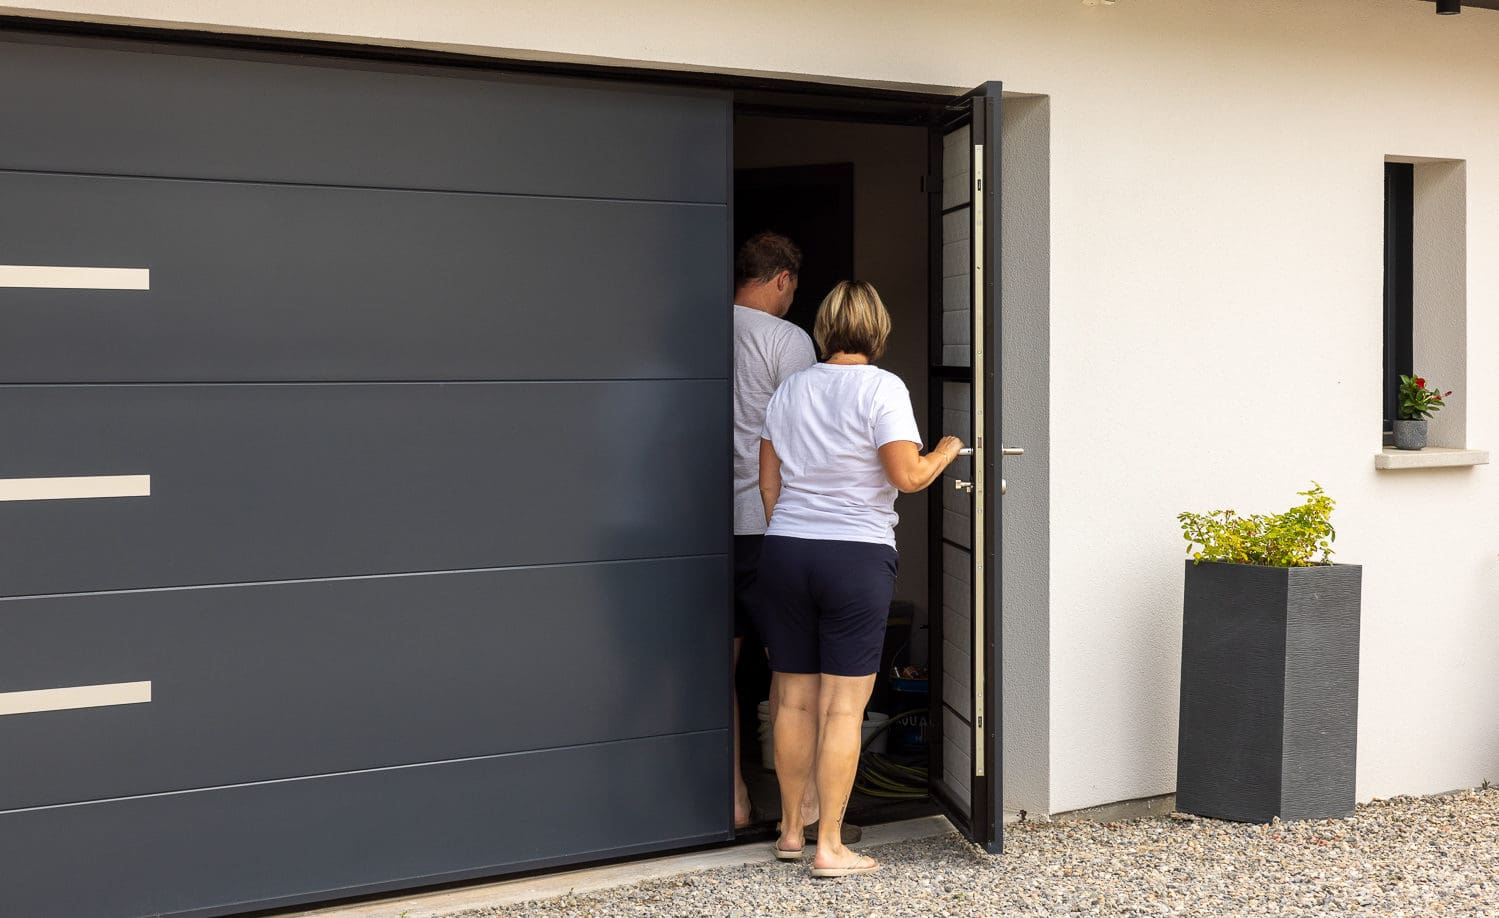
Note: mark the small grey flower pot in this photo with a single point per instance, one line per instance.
(1269, 692)
(1410, 434)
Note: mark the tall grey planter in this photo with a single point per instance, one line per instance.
(1269, 692)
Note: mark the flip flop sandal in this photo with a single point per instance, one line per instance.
(784, 855)
(826, 872)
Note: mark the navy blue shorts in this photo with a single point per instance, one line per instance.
(821, 605)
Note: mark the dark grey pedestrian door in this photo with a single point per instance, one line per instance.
(364, 486)
(965, 755)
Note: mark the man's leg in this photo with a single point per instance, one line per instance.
(746, 564)
(741, 793)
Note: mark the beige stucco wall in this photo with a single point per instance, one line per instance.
(1215, 243)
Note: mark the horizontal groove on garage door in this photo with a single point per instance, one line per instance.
(257, 483)
(289, 118)
(209, 851)
(333, 676)
(254, 282)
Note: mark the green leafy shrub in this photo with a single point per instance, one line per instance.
(1290, 539)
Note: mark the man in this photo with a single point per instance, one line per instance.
(767, 349)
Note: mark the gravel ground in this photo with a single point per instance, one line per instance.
(1403, 856)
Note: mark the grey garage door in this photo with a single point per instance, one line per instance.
(363, 476)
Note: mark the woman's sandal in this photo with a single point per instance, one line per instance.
(826, 872)
(783, 855)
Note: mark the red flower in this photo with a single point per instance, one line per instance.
(1420, 382)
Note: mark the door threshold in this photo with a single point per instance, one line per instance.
(595, 879)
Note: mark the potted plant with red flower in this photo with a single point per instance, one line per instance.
(1417, 403)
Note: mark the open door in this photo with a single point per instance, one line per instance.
(965, 716)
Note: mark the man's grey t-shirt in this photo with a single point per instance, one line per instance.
(767, 351)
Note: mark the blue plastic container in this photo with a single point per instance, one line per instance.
(909, 736)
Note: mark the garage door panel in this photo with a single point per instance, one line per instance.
(365, 498)
(276, 482)
(213, 852)
(254, 282)
(192, 113)
(252, 683)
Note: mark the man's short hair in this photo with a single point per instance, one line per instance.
(763, 256)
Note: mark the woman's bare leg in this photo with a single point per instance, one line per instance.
(841, 701)
(809, 796)
(797, 702)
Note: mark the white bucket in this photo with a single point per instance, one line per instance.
(873, 721)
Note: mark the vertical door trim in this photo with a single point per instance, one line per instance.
(976, 359)
(989, 504)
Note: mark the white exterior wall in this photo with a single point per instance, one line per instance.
(1216, 257)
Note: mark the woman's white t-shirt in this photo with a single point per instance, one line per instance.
(827, 424)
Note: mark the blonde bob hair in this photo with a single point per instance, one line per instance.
(852, 320)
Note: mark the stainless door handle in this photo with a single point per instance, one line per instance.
(1004, 486)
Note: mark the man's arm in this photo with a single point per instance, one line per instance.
(770, 478)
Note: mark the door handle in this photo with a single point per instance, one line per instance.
(1004, 486)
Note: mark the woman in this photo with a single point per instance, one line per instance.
(840, 440)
